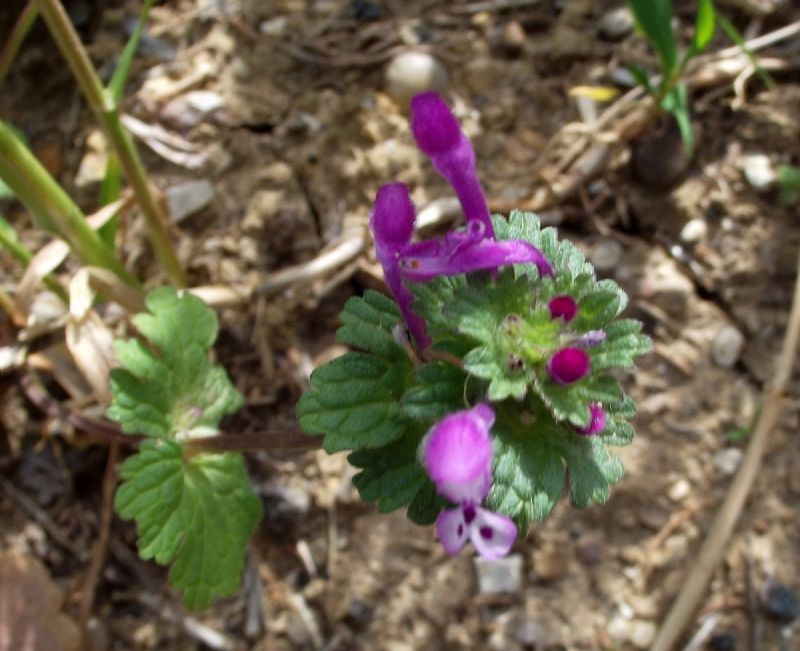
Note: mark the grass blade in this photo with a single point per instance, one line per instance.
(654, 19)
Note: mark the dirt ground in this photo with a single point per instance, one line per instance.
(302, 130)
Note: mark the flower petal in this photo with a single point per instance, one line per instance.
(458, 454)
(492, 534)
(460, 253)
(451, 530)
(439, 135)
(392, 224)
(597, 421)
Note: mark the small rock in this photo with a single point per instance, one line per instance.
(780, 603)
(284, 507)
(500, 576)
(512, 38)
(727, 347)
(550, 563)
(758, 171)
(694, 230)
(589, 548)
(359, 613)
(414, 72)
(680, 490)
(531, 632)
(606, 255)
(275, 27)
(727, 461)
(616, 24)
(653, 516)
(722, 642)
(668, 289)
(642, 633)
(188, 198)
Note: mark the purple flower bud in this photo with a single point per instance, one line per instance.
(568, 365)
(597, 422)
(392, 224)
(591, 338)
(439, 135)
(458, 454)
(460, 253)
(563, 307)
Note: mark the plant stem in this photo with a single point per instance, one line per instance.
(17, 36)
(107, 114)
(713, 549)
(46, 199)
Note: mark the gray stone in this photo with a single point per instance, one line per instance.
(500, 576)
(727, 460)
(414, 72)
(759, 172)
(186, 199)
(727, 347)
(616, 24)
(275, 27)
(694, 230)
(642, 633)
(606, 255)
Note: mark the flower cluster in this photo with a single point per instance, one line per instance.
(457, 451)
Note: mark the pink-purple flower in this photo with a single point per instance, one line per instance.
(392, 221)
(597, 421)
(568, 365)
(457, 454)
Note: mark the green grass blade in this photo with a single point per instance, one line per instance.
(705, 25)
(109, 192)
(676, 103)
(733, 34)
(117, 84)
(654, 19)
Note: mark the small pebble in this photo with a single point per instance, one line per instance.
(188, 198)
(501, 576)
(680, 490)
(722, 642)
(589, 548)
(512, 38)
(414, 72)
(550, 563)
(758, 171)
(781, 604)
(642, 633)
(204, 101)
(616, 24)
(727, 347)
(275, 27)
(727, 461)
(531, 632)
(606, 255)
(694, 230)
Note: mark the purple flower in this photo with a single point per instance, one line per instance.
(392, 224)
(597, 422)
(568, 365)
(462, 252)
(439, 135)
(458, 456)
(591, 338)
(563, 307)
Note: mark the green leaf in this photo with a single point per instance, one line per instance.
(174, 390)
(676, 103)
(641, 77)
(194, 513)
(789, 179)
(654, 19)
(438, 389)
(116, 86)
(426, 505)
(354, 402)
(704, 26)
(368, 324)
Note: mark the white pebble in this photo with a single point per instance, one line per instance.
(414, 72)
(759, 172)
(727, 347)
(694, 230)
(680, 490)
